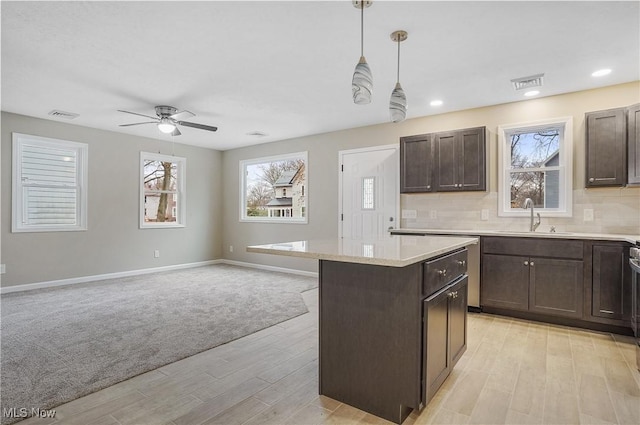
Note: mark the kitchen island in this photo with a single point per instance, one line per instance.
(392, 317)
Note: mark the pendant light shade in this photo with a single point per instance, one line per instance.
(398, 104)
(398, 101)
(362, 82)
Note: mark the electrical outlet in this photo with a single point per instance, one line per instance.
(484, 215)
(230, 248)
(3, 268)
(588, 214)
(433, 215)
(409, 214)
(156, 253)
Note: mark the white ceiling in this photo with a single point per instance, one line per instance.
(284, 68)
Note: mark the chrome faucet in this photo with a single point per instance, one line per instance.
(528, 203)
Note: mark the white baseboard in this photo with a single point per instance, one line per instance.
(270, 268)
(98, 277)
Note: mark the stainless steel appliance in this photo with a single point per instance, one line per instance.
(634, 262)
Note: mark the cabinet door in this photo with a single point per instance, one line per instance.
(447, 158)
(633, 135)
(458, 320)
(436, 345)
(471, 171)
(556, 287)
(416, 164)
(505, 281)
(611, 290)
(606, 148)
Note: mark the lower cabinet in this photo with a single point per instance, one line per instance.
(611, 282)
(445, 334)
(517, 276)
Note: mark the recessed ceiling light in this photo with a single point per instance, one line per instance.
(601, 72)
(532, 93)
(436, 103)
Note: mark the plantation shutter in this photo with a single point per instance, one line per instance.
(50, 185)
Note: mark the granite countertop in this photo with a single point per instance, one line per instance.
(392, 250)
(524, 234)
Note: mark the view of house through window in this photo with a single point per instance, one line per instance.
(162, 181)
(273, 189)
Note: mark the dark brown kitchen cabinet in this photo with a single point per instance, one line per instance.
(611, 282)
(555, 287)
(505, 281)
(519, 274)
(443, 162)
(606, 148)
(416, 164)
(444, 334)
(459, 158)
(633, 140)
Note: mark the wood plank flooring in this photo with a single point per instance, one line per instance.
(514, 372)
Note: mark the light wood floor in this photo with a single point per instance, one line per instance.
(514, 372)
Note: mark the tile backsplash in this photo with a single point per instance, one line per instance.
(615, 210)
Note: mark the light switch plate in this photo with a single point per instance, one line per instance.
(409, 214)
(484, 215)
(433, 214)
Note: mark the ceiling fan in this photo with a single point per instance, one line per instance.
(168, 120)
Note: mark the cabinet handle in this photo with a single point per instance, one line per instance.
(428, 186)
(450, 294)
(532, 264)
(442, 273)
(591, 180)
(462, 262)
(526, 263)
(606, 311)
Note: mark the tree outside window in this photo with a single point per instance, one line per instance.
(162, 203)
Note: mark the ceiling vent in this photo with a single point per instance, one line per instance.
(528, 82)
(62, 114)
(257, 134)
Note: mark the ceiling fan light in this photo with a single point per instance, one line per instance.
(398, 104)
(362, 83)
(166, 126)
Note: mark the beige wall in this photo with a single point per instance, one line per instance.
(113, 242)
(616, 210)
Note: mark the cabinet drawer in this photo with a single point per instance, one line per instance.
(535, 247)
(440, 272)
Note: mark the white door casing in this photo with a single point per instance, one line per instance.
(369, 193)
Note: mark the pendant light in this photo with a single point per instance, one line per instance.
(398, 102)
(362, 82)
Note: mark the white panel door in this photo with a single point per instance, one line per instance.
(369, 192)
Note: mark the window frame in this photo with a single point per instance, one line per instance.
(565, 167)
(244, 163)
(181, 191)
(17, 187)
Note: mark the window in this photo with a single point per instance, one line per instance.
(49, 190)
(535, 161)
(162, 193)
(273, 189)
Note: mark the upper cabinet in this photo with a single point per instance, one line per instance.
(633, 135)
(416, 164)
(449, 161)
(606, 143)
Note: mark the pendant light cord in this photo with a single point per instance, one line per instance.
(398, 60)
(362, 28)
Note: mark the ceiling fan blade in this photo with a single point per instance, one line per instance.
(138, 123)
(182, 114)
(199, 126)
(176, 132)
(135, 113)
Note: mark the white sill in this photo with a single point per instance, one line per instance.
(162, 226)
(274, 220)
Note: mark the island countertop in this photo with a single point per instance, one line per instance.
(393, 250)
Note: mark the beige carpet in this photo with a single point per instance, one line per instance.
(62, 343)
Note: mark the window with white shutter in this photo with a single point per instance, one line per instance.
(49, 184)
